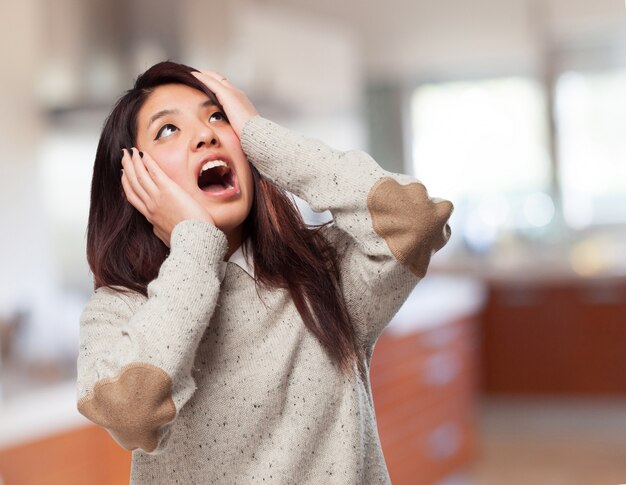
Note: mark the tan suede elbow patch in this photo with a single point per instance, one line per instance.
(412, 225)
(132, 405)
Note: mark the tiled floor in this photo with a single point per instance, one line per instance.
(554, 441)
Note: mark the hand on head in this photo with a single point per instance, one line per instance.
(237, 106)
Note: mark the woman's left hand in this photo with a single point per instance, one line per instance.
(237, 107)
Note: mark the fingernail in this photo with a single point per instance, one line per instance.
(141, 154)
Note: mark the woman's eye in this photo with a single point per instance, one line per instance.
(219, 115)
(165, 131)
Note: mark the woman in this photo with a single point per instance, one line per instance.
(226, 341)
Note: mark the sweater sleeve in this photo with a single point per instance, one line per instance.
(136, 354)
(385, 225)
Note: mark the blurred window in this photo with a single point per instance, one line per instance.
(484, 145)
(591, 118)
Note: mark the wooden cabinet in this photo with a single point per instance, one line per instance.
(424, 389)
(87, 455)
(559, 337)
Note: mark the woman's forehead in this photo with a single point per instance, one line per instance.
(172, 98)
(176, 95)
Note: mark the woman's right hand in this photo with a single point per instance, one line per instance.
(161, 200)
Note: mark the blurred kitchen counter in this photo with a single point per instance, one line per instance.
(45, 441)
(423, 376)
(555, 337)
(39, 413)
(583, 258)
(553, 324)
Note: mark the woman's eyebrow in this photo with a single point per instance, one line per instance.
(165, 112)
(161, 114)
(208, 103)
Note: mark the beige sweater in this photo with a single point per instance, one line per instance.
(209, 382)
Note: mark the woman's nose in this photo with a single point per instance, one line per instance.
(204, 137)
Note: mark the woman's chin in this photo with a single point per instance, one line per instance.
(228, 217)
(228, 225)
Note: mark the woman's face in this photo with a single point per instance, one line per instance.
(181, 129)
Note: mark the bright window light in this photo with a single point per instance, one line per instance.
(483, 144)
(591, 119)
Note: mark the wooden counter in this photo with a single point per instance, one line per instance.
(87, 455)
(424, 390)
(555, 337)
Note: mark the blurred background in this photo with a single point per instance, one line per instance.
(508, 362)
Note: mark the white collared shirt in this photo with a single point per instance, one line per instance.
(238, 258)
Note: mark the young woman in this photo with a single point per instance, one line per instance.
(226, 340)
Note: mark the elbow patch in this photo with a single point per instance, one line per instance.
(133, 405)
(413, 225)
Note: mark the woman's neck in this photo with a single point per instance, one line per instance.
(234, 242)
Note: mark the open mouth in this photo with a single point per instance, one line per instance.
(216, 176)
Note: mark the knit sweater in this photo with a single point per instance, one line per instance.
(212, 380)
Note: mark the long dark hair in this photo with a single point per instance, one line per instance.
(122, 249)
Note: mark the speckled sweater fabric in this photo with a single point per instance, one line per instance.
(210, 382)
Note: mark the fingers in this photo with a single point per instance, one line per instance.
(141, 172)
(130, 171)
(140, 188)
(217, 76)
(213, 75)
(224, 90)
(132, 196)
(216, 82)
(157, 177)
